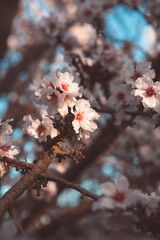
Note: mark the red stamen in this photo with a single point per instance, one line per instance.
(4, 148)
(120, 96)
(65, 86)
(79, 116)
(41, 130)
(150, 92)
(119, 197)
(136, 75)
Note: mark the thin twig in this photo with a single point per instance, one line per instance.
(83, 191)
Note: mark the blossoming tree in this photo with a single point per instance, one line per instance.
(90, 118)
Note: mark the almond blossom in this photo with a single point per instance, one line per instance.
(65, 84)
(7, 149)
(40, 129)
(149, 91)
(120, 96)
(116, 196)
(46, 93)
(57, 91)
(133, 71)
(84, 117)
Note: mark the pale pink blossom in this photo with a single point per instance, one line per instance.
(132, 71)
(84, 117)
(116, 196)
(149, 91)
(65, 84)
(57, 91)
(120, 96)
(7, 149)
(40, 129)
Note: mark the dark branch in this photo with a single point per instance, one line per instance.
(83, 191)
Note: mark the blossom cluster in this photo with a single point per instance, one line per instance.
(120, 196)
(61, 95)
(140, 77)
(135, 89)
(58, 94)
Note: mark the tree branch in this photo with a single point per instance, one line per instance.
(29, 179)
(30, 53)
(8, 9)
(83, 191)
(16, 163)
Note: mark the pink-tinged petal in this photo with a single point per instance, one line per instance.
(108, 188)
(149, 102)
(122, 184)
(76, 126)
(147, 81)
(157, 86)
(139, 83)
(106, 202)
(103, 203)
(139, 92)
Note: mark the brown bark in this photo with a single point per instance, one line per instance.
(8, 9)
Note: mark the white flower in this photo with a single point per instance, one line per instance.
(84, 116)
(120, 96)
(7, 149)
(66, 85)
(148, 91)
(55, 92)
(116, 196)
(40, 129)
(46, 93)
(50, 27)
(133, 71)
(68, 102)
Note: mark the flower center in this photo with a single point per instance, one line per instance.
(79, 116)
(65, 86)
(4, 148)
(150, 92)
(119, 197)
(41, 130)
(136, 75)
(120, 96)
